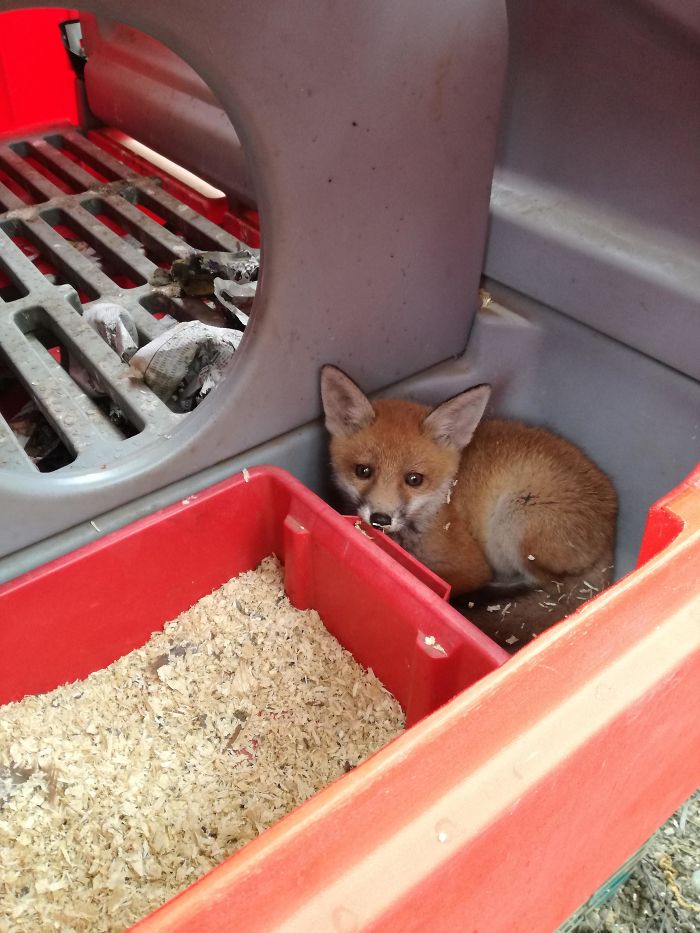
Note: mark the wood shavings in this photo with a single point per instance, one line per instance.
(358, 525)
(485, 298)
(120, 790)
(535, 609)
(246, 474)
(530, 556)
(512, 639)
(432, 642)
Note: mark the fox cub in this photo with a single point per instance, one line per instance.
(489, 506)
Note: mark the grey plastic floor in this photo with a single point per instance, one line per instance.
(639, 419)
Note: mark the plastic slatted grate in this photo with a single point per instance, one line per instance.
(71, 211)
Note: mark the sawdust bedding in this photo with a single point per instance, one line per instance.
(118, 791)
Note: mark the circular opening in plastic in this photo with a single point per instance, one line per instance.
(125, 196)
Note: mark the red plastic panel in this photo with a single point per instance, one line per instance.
(37, 83)
(383, 541)
(502, 811)
(662, 528)
(663, 524)
(509, 806)
(83, 611)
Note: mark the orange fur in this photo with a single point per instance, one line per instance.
(517, 508)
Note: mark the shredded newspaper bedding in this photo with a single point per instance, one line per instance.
(120, 790)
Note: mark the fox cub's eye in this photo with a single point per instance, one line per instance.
(363, 470)
(414, 479)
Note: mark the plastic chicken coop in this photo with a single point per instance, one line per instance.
(387, 161)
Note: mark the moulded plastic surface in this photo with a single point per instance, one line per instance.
(638, 419)
(495, 812)
(597, 716)
(140, 86)
(596, 193)
(77, 615)
(372, 216)
(545, 368)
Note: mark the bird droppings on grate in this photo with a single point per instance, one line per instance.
(78, 229)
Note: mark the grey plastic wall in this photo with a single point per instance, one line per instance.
(596, 202)
(370, 131)
(177, 114)
(636, 417)
(590, 222)
(639, 419)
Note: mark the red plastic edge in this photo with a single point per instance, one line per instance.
(506, 808)
(72, 616)
(548, 772)
(663, 525)
(401, 556)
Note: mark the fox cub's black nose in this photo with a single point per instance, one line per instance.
(379, 519)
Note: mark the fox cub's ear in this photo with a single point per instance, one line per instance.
(346, 407)
(453, 423)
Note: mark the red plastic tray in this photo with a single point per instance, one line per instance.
(505, 809)
(81, 612)
(492, 814)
